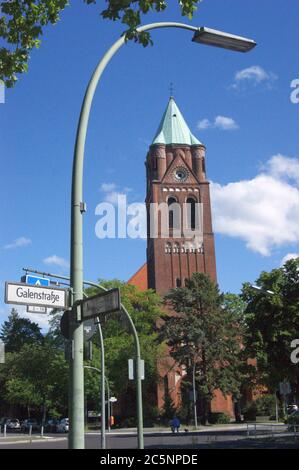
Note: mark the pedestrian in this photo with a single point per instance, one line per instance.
(175, 424)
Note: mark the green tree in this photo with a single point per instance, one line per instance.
(23, 21)
(272, 323)
(169, 409)
(21, 392)
(204, 334)
(17, 331)
(37, 378)
(144, 308)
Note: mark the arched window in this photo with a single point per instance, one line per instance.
(186, 281)
(191, 213)
(174, 214)
(178, 282)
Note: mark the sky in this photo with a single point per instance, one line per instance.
(238, 105)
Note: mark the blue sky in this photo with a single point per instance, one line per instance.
(237, 104)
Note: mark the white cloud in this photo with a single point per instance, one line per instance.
(283, 167)
(226, 123)
(254, 75)
(107, 187)
(263, 211)
(18, 243)
(56, 261)
(204, 124)
(112, 194)
(289, 257)
(41, 320)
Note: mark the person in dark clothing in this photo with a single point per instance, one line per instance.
(175, 424)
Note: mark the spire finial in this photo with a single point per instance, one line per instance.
(171, 89)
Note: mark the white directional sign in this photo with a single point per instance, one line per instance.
(24, 294)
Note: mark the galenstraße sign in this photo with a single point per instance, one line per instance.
(25, 294)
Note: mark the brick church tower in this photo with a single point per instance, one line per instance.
(176, 179)
(184, 243)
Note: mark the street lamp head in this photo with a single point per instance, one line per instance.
(212, 37)
(260, 289)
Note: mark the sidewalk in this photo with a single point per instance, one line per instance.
(25, 439)
(183, 429)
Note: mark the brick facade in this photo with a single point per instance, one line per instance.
(177, 172)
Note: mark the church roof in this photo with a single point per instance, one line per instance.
(173, 128)
(139, 279)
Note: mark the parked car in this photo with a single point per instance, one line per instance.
(3, 421)
(63, 425)
(25, 426)
(52, 425)
(13, 424)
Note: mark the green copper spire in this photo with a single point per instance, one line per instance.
(173, 128)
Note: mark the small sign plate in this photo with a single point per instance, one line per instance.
(33, 309)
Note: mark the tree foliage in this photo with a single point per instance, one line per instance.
(23, 21)
(17, 331)
(36, 378)
(144, 309)
(204, 334)
(273, 323)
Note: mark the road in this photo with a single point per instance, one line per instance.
(231, 439)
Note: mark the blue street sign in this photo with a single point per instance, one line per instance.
(35, 280)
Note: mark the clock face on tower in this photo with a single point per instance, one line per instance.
(180, 174)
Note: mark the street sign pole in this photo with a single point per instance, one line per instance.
(103, 406)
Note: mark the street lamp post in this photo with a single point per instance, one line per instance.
(76, 396)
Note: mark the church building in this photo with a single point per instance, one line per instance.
(178, 190)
